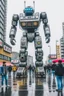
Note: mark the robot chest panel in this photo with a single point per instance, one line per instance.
(28, 22)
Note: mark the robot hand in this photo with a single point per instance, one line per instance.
(47, 39)
(13, 41)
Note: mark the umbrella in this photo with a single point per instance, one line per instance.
(57, 60)
(7, 64)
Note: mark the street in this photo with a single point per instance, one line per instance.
(29, 86)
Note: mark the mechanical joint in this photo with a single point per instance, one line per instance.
(23, 55)
(39, 54)
(47, 30)
(24, 42)
(38, 42)
(12, 32)
(15, 19)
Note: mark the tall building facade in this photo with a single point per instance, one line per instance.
(5, 49)
(3, 7)
(62, 47)
(62, 43)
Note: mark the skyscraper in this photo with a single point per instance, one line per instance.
(5, 49)
(62, 43)
(3, 5)
(62, 47)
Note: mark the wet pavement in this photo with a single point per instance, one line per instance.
(30, 86)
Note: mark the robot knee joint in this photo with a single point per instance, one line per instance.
(39, 54)
(23, 55)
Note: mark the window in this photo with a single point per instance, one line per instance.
(9, 58)
(1, 36)
(1, 30)
(1, 43)
(5, 57)
(1, 56)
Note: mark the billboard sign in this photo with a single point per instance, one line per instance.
(52, 56)
(58, 51)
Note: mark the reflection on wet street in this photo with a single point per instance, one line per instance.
(39, 87)
(29, 86)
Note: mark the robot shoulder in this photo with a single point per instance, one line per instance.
(15, 17)
(43, 15)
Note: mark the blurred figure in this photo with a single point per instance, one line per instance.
(30, 69)
(9, 70)
(49, 76)
(53, 73)
(45, 69)
(59, 73)
(14, 68)
(30, 74)
(63, 76)
(53, 68)
(49, 69)
(4, 74)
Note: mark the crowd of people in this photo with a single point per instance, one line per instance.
(5, 73)
(57, 70)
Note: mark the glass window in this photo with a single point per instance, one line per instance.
(1, 36)
(5, 57)
(1, 56)
(1, 30)
(9, 59)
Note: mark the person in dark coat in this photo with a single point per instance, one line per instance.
(59, 74)
(53, 67)
(53, 75)
(9, 70)
(45, 68)
(49, 69)
(4, 73)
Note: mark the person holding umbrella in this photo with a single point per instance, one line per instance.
(59, 74)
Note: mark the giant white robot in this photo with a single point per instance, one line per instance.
(30, 22)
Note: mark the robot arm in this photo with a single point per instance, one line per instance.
(13, 30)
(43, 17)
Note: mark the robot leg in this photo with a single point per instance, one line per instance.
(39, 52)
(23, 53)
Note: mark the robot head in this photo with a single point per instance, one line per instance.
(28, 11)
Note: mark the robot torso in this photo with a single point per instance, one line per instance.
(29, 23)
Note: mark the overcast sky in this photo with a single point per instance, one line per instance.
(55, 13)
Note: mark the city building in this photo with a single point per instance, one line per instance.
(51, 57)
(3, 7)
(58, 53)
(62, 47)
(5, 49)
(5, 53)
(62, 43)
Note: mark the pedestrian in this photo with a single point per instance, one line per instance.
(53, 75)
(14, 68)
(59, 74)
(53, 68)
(9, 70)
(63, 77)
(49, 69)
(4, 74)
(45, 69)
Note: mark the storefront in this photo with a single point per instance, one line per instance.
(5, 53)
